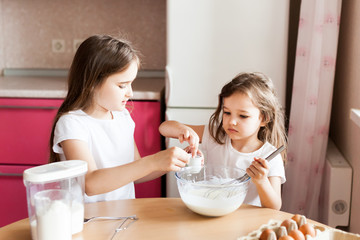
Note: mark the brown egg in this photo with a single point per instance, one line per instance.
(296, 218)
(297, 235)
(299, 219)
(286, 237)
(289, 224)
(268, 234)
(308, 229)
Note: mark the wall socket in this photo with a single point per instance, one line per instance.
(76, 44)
(58, 45)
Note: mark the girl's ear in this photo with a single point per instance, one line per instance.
(264, 120)
(263, 124)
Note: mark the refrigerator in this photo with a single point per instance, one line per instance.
(208, 43)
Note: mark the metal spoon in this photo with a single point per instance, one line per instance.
(86, 220)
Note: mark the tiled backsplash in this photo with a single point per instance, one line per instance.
(28, 29)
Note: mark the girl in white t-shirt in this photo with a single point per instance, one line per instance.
(246, 127)
(93, 124)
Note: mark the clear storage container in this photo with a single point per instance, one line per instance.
(66, 175)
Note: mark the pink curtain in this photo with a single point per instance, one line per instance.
(311, 105)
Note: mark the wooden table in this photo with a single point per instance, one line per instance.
(160, 218)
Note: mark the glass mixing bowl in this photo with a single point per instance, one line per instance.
(207, 192)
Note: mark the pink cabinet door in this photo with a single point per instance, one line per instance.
(25, 127)
(13, 205)
(147, 118)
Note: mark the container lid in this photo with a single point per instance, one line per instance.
(55, 171)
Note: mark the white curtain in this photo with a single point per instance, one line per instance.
(311, 105)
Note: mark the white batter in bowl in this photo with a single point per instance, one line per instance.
(205, 192)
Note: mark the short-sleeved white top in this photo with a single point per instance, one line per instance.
(226, 155)
(111, 143)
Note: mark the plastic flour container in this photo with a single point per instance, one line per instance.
(67, 176)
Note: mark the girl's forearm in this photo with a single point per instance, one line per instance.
(151, 176)
(109, 179)
(268, 196)
(171, 129)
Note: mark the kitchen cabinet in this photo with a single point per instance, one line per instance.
(13, 194)
(147, 117)
(25, 126)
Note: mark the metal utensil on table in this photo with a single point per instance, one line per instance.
(129, 220)
(86, 220)
(246, 176)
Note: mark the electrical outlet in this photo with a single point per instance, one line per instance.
(58, 45)
(76, 44)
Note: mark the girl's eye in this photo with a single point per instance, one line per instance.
(244, 116)
(122, 86)
(227, 113)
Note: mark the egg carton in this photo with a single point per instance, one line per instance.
(322, 233)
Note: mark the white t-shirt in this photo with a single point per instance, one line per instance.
(226, 155)
(111, 143)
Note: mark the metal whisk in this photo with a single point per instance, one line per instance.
(229, 192)
(246, 176)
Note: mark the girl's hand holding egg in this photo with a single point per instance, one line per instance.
(187, 134)
(197, 162)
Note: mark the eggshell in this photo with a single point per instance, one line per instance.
(286, 237)
(308, 229)
(268, 234)
(297, 235)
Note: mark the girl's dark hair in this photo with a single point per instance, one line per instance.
(97, 58)
(259, 88)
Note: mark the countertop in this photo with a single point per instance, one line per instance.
(161, 218)
(144, 88)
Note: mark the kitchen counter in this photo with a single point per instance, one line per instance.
(161, 218)
(56, 87)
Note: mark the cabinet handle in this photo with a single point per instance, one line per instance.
(11, 174)
(28, 107)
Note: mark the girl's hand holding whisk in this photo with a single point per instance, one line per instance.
(258, 170)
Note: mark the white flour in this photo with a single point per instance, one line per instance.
(77, 217)
(54, 222)
(77, 220)
(33, 229)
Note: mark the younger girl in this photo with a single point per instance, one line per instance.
(246, 127)
(93, 124)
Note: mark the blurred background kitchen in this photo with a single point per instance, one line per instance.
(39, 38)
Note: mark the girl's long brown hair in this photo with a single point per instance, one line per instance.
(259, 88)
(97, 58)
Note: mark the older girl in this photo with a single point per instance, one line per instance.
(93, 124)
